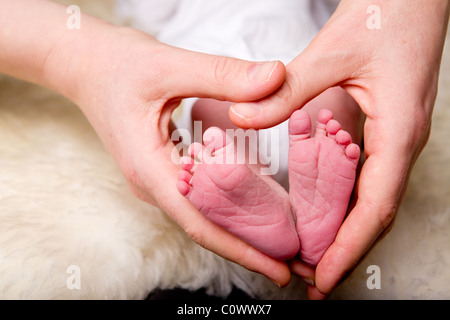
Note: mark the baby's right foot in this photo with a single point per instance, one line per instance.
(322, 173)
(254, 208)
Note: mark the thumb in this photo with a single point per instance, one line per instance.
(194, 74)
(308, 75)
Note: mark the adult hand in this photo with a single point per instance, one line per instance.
(129, 91)
(128, 84)
(392, 72)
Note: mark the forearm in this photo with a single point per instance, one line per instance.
(37, 45)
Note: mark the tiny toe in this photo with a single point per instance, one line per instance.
(185, 176)
(186, 163)
(323, 118)
(352, 151)
(183, 187)
(299, 125)
(196, 150)
(217, 144)
(333, 127)
(343, 138)
(215, 138)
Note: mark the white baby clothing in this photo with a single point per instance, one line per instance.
(256, 30)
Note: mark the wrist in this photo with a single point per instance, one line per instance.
(98, 59)
(72, 59)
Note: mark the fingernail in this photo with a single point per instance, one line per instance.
(245, 111)
(262, 71)
(309, 281)
(276, 283)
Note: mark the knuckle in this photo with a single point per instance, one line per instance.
(383, 213)
(420, 126)
(292, 84)
(414, 132)
(130, 173)
(131, 176)
(386, 217)
(422, 120)
(196, 236)
(289, 97)
(222, 68)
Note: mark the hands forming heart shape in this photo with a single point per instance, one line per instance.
(128, 84)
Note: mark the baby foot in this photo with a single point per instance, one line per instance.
(254, 208)
(322, 173)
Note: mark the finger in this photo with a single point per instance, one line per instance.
(313, 71)
(193, 74)
(302, 270)
(308, 275)
(314, 294)
(379, 190)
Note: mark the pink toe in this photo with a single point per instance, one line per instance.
(300, 124)
(343, 137)
(333, 127)
(183, 187)
(214, 138)
(324, 116)
(352, 151)
(187, 163)
(184, 176)
(195, 150)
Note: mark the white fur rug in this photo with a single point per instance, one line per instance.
(71, 229)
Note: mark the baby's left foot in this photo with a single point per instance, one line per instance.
(254, 208)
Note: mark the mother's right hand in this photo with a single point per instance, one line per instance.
(128, 86)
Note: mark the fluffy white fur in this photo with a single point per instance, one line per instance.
(63, 202)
